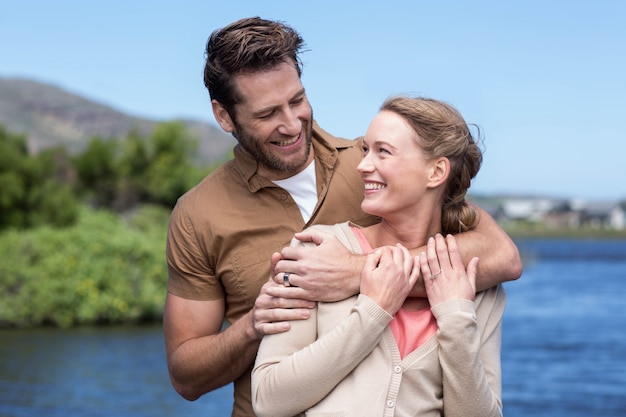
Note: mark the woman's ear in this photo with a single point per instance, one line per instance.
(222, 117)
(439, 172)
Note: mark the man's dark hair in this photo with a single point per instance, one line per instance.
(247, 46)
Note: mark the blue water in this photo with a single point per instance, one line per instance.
(116, 372)
(564, 350)
(564, 341)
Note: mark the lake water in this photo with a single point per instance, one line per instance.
(564, 333)
(564, 350)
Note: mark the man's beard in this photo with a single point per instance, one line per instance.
(264, 155)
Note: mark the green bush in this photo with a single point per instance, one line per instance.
(104, 269)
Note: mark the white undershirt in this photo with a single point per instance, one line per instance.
(303, 190)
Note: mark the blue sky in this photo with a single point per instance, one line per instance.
(545, 80)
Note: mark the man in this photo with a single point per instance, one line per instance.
(287, 174)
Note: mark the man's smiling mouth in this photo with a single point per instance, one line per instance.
(287, 142)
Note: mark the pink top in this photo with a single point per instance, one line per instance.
(410, 328)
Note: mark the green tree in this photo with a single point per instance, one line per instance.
(98, 171)
(171, 171)
(134, 161)
(156, 169)
(31, 191)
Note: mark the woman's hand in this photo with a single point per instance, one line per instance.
(445, 276)
(389, 276)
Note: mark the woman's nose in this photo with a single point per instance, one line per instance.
(364, 165)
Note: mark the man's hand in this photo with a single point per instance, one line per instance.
(275, 305)
(327, 271)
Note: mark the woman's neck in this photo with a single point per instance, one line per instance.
(412, 232)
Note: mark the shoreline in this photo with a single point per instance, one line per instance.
(541, 232)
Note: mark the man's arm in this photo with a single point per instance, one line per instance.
(500, 260)
(329, 272)
(201, 357)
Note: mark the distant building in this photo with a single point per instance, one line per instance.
(606, 215)
(531, 208)
(562, 215)
(557, 213)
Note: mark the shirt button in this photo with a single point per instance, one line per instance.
(390, 403)
(397, 369)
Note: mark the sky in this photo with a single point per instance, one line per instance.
(544, 80)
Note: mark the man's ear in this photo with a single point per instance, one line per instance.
(439, 172)
(222, 117)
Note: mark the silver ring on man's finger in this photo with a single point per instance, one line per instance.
(435, 275)
(286, 279)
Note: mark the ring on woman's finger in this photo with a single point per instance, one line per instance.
(435, 275)
(286, 279)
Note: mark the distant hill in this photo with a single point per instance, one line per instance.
(50, 116)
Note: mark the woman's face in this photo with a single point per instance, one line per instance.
(394, 167)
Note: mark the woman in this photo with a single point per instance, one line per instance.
(383, 353)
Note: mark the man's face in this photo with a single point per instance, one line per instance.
(274, 121)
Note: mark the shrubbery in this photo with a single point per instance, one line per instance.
(104, 269)
(82, 238)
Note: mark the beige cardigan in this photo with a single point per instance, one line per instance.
(344, 361)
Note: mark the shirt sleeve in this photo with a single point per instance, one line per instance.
(470, 340)
(190, 274)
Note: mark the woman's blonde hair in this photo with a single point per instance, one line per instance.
(444, 133)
